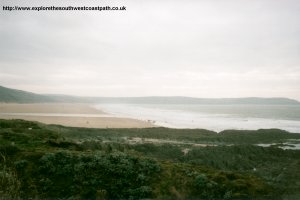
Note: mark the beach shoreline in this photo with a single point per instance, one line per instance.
(68, 114)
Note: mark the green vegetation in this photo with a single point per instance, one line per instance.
(18, 96)
(56, 162)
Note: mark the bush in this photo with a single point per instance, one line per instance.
(9, 182)
(118, 174)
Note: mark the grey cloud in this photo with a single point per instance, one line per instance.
(206, 48)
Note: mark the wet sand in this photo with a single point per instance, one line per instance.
(98, 120)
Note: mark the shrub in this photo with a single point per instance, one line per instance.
(9, 182)
(118, 174)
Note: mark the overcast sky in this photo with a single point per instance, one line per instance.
(198, 48)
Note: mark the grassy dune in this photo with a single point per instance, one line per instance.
(47, 161)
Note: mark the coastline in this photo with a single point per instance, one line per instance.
(74, 115)
(66, 108)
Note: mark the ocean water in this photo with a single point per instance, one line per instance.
(211, 117)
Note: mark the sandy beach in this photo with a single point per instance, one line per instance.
(66, 108)
(74, 115)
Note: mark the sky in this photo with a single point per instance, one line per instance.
(197, 48)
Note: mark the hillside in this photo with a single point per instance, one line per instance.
(8, 95)
(191, 100)
(19, 96)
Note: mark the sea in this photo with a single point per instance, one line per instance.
(211, 117)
